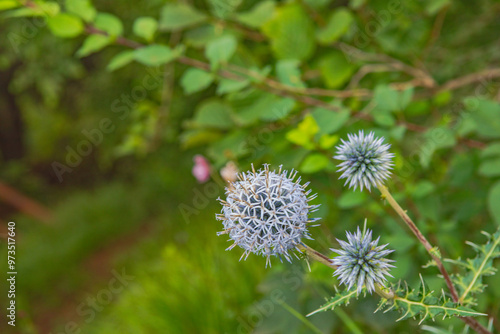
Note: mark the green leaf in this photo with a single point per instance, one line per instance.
(145, 27)
(486, 115)
(389, 99)
(423, 189)
(214, 114)
(9, 4)
(436, 138)
(289, 73)
(337, 25)
(154, 55)
(493, 202)
(47, 9)
(351, 199)
(220, 50)
(109, 23)
(326, 141)
(251, 105)
(91, 44)
(313, 163)
(471, 283)
(82, 8)
(177, 16)
(335, 69)
(340, 298)
(120, 60)
(490, 168)
(228, 86)
(278, 108)
(65, 25)
(492, 150)
(198, 137)
(291, 32)
(193, 80)
(304, 133)
(330, 121)
(423, 304)
(258, 15)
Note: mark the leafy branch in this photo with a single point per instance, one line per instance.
(482, 265)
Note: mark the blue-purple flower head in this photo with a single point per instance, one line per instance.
(266, 213)
(366, 160)
(360, 262)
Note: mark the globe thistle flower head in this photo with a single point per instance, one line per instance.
(366, 160)
(361, 262)
(266, 213)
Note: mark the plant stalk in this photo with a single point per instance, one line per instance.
(473, 323)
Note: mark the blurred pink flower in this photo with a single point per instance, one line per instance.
(201, 168)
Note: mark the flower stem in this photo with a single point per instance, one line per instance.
(314, 254)
(432, 252)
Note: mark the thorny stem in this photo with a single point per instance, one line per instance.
(454, 295)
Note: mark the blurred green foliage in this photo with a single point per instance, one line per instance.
(148, 84)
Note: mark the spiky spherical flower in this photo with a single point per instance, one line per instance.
(266, 213)
(361, 262)
(367, 161)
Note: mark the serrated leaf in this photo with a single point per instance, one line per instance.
(194, 80)
(121, 59)
(145, 27)
(82, 8)
(91, 44)
(65, 25)
(482, 265)
(341, 298)
(176, 16)
(422, 303)
(109, 23)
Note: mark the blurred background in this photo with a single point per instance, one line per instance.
(112, 148)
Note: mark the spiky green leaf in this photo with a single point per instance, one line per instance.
(482, 265)
(422, 303)
(341, 298)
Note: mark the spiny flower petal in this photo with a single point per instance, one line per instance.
(266, 213)
(361, 262)
(366, 160)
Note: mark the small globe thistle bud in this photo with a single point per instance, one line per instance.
(266, 213)
(366, 160)
(361, 262)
